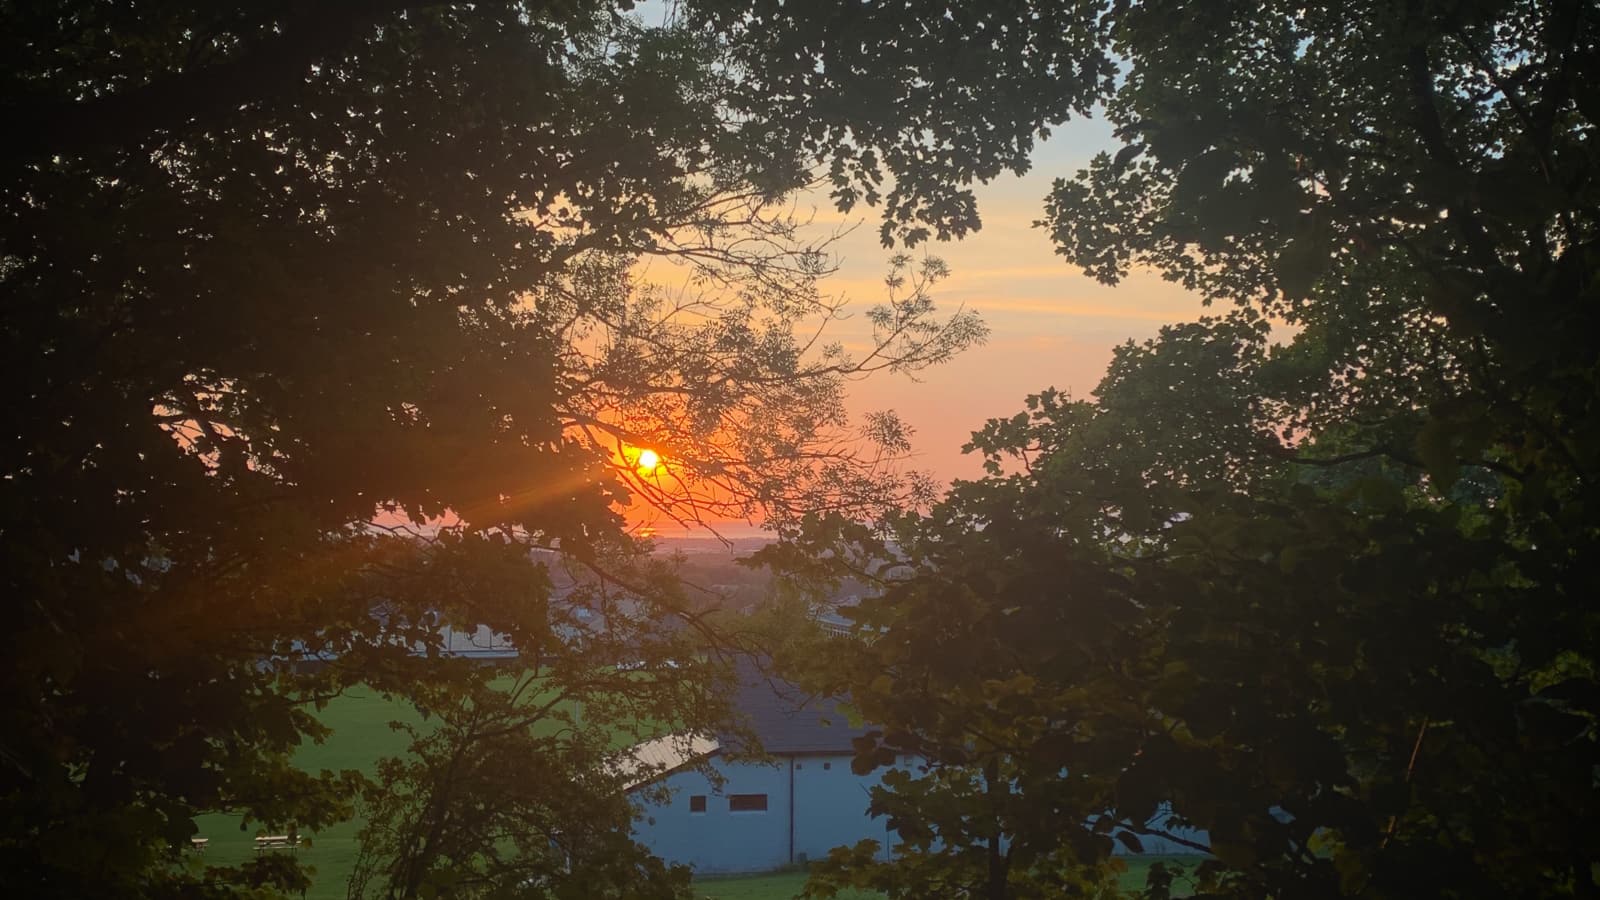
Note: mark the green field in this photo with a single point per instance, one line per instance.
(786, 885)
(776, 886)
(1139, 869)
(362, 736)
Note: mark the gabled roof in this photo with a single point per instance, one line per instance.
(785, 719)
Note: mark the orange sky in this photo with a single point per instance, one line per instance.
(1049, 324)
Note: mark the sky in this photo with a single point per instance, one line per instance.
(1050, 325)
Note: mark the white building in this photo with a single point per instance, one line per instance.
(765, 815)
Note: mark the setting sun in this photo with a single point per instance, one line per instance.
(649, 461)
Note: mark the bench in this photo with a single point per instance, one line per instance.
(277, 842)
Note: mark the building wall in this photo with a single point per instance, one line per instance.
(830, 807)
(719, 840)
(830, 810)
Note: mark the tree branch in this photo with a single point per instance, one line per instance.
(1167, 835)
(1419, 72)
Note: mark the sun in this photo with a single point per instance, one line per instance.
(649, 461)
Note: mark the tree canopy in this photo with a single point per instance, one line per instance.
(274, 271)
(1314, 574)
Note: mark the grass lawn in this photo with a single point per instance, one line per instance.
(787, 885)
(361, 737)
(774, 886)
(1139, 869)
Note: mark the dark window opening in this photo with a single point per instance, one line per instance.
(827, 765)
(697, 803)
(747, 803)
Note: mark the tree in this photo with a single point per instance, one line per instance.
(273, 269)
(1327, 597)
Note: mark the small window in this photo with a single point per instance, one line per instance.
(697, 803)
(827, 765)
(747, 803)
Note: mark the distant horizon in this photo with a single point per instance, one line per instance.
(739, 531)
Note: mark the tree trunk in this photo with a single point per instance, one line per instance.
(996, 889)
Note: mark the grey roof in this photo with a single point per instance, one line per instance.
(787, 720)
